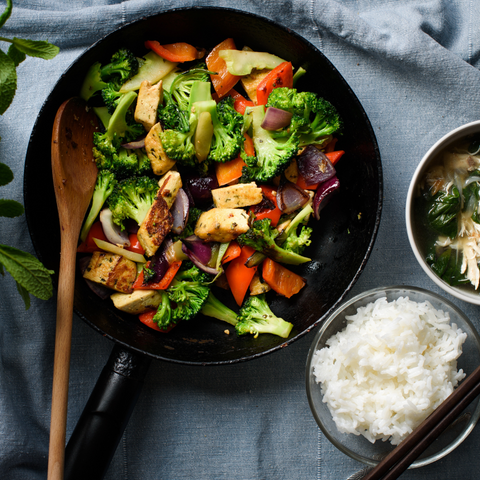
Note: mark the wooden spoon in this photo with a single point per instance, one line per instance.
(74, 176)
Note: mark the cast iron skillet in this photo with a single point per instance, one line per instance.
(342, 241)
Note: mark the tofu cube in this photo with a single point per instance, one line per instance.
(137, 302)
(155, 227)
(159, 160)
(149, 97)
(237, 196)
(113, 271)
(250, 82)
(221, 224)
(169, 185)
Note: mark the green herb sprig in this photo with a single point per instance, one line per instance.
(27, 271)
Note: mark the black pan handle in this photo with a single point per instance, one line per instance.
(100, 427)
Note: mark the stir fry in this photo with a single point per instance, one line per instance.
(211, 167)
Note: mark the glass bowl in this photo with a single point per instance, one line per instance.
(357, 446)
(416, 225)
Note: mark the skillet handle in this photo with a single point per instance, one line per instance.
(105, 416)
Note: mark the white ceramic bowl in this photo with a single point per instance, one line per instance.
(357, 446)
(412, 195)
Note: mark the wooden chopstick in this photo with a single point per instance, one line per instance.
(399, 459)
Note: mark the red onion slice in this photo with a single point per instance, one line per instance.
(291, 197)
(314, 166)
(276, 118)
(112, 231)
(179, 210)
(199, 253)
(323, 195)
(135, 145)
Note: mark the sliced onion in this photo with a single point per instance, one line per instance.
(323, 195)
(314, 166)
(101, 290)
(201, 187)
(112, 231)
(291, 197)
(276, 118)
(199, 253)
(470, 180)
(175, 253)
(179, 210)
(135, 145)
(110, 247)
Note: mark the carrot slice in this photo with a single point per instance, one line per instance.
(239, 276)
(280, 76)
(174, 52)
(227, 172)
(280, 279)
(248, 145)
(222, 81)
(233, 251)
(334, 157)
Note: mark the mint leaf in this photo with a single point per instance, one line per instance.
(36, 48)
(8, 81)
(24, 294)
(27, 271)
(16, 55)
(10, 208)
(6, 14)
(6, 175)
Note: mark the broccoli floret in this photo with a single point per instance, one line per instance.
(179, 145)
(172, 117)
(295, 242)
(132, 198)
(119, 127)
(227, 131)
(93, 82)
(273, 155)
(261, 236)
(144, 166)
(103, 188)
(189, 290)
(111, 97)
(216, 309)
(181, 87)
(314, 118)
(255, 317)
(163, 317)
(123, 65)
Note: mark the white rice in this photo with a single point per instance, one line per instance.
(391, 366)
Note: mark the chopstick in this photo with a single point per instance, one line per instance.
(399, 459)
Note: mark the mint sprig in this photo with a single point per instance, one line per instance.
(27, 271)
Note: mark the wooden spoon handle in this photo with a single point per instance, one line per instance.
(61, 365)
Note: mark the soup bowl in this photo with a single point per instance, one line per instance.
(421, 236)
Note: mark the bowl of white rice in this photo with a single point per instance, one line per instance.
(382, 362)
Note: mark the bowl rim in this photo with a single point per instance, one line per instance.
(313, 348)
(447, 139)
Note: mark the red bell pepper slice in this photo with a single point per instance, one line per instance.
(239, 276)
(147, 319)
(135, 245)
(174, 52)
(280, 76)
(163, 284)
(89, 245)
(240, 103)
(273, 214)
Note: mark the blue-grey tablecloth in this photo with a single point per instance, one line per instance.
(414, 66)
